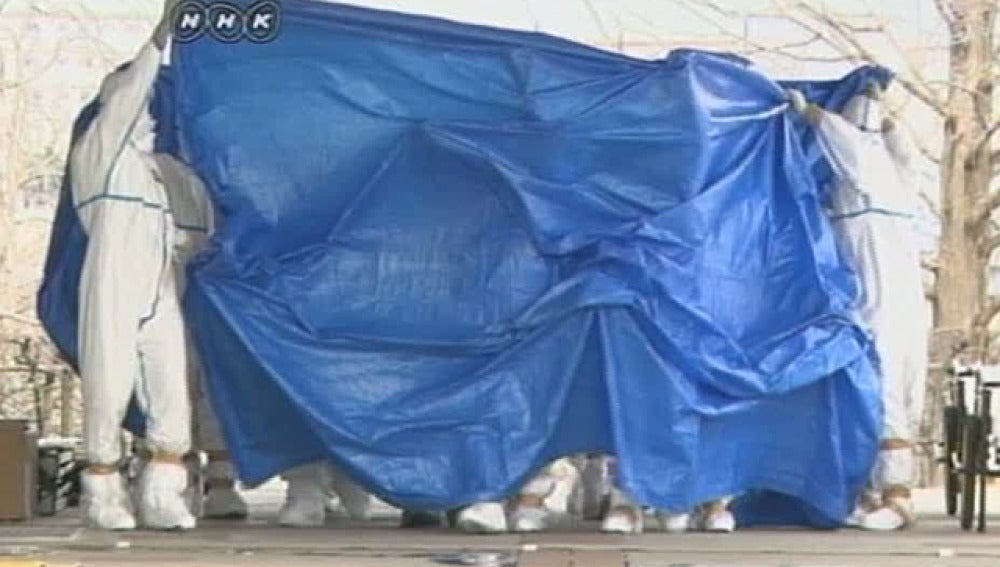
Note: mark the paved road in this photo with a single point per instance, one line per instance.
(937, 541)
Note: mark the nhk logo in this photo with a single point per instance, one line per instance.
(226, 22)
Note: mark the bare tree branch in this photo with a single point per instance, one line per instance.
(788, 51)
(598, 20)
(927, 153)
(950, 16)
(991, 244)
(984, 140)
(984, 212)
(988, 313)
(917, 88)
(929, 202)
(917, 141)
(16, 84)
(19, 319)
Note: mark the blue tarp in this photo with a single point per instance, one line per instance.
(447, 254)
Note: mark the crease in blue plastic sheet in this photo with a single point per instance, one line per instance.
(447, 254)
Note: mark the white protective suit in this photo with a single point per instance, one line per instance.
(193, 224)
(873, 210)
(131, 331)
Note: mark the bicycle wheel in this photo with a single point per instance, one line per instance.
(971, 454)
(952, 440)
(986, 428)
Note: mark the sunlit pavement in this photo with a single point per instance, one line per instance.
(937, 540)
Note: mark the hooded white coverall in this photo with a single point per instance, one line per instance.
(131, 331)
(873, 210)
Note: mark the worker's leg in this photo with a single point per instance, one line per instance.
(624, 515)
(305, 499)
(117, 286)
(355, 500)
(897, 324)
(105, 500)
(164, 379)
(895, 466)
(222, 501)
(545, 499)
(594, 487)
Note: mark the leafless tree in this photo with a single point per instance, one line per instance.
(53, 54)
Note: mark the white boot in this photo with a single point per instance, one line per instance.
(893, 474)
(715, 517)
(868, 502)
(483, 518)
(305, 499)
(674, 523)
(896, 513)
(624, 516)
(529, 519)
(544, 501)
(161, 497)
(531, 514)
(565, 478)
(222, 502)
(623, 521)
(719, 521)
(355, 500)
(106, 503)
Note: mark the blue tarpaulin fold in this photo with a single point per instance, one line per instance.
(447, 254)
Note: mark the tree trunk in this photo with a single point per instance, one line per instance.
(966, 170)
(966, 237)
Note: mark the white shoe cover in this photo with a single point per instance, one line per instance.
(855, 519)
(353, 499)
(223, 502)
(298, 512)
(161, 497)
(565, 478)
(719, 521)
(888, 518)
(674, 523)
(529, 519)
(305, 498)
(624, 517)
(622, 520)
(333, 506)
(483, 518)
(868, 501)
(105, 502)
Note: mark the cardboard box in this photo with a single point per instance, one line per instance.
(18, 470)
